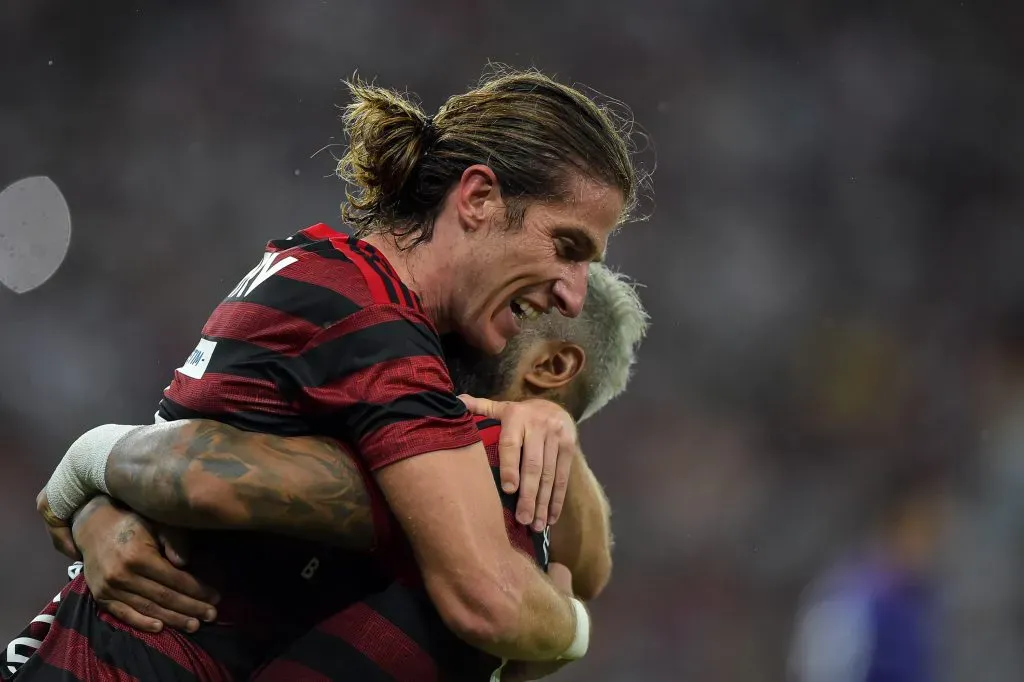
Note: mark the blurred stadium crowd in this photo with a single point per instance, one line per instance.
(832, 264)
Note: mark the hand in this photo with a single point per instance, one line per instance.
(60, 532)
(544, 436)
(522, 671)
(129, 576)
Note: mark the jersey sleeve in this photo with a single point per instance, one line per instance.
(378, 380)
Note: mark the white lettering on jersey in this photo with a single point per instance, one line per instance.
(310, 570)
(29, 645)
(260, 274)
(197, 362)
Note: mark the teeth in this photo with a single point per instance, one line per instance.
(523, 309)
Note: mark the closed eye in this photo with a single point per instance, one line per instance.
(576, 246)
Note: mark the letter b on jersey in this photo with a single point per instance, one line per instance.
(310, 570)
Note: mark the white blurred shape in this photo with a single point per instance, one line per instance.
(35, 232)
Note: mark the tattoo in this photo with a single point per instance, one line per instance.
(205, 474)
(126, 533)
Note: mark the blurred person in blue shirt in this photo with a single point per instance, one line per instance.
(871, 616)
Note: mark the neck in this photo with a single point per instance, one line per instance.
(424, 269)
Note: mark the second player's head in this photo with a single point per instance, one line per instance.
(580, 363)
(507, 193)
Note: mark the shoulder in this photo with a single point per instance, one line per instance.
(314, 279)
(344, 264)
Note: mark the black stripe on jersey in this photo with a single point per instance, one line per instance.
(386, 277)
(315, 304)
(378, 258)
(488, 423)
(297, 239)
(334, 658)
(510, 501)
(260, 422)
(326, 249)
(118, 648)
(415, 615)
(326, 362)
(362, 419)
(366, 347)
(38, 670)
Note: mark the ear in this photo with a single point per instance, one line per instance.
(476, 197)
(555, 366)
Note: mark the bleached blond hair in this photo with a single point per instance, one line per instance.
(609, 330)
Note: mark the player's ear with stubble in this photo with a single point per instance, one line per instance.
(557, 364)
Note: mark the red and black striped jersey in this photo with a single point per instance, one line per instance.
(71, 640)
(396, 635)
(321, 338)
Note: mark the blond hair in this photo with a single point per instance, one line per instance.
(532, 131)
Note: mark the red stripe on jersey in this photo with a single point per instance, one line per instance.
(374, 278)
(259, 325)
(518, 534)
(282, 669)
(380, 383)
(322, 231)
(217, 394)
(490, 434)
(71, 651)
(382, 642)
(371, 317)
(405, 439)
(339, 276)
(168, 642)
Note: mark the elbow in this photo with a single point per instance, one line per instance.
(481, 608)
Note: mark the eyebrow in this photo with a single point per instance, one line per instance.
(583, 241)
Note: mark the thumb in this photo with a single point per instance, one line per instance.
(481, 406)
(174, 548)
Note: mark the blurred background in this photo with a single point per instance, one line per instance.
(832, 263)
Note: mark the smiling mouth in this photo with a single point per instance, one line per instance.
(524, 310)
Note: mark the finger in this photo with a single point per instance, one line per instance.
(146, 607)
(480, 406)
(510, 451)
(547, 481)
(532, 467)
(561, 486)
(170, 580)
(170, 599)
(130, 616)
(64, 543)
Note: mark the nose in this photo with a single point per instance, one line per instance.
(571, 291)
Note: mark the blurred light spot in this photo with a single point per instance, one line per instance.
(35, 232)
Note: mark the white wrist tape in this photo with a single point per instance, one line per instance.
(581, 641)
(82, 473)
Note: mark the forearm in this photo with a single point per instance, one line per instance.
(203, 474)
(490, 595)
(546, 620)
(582, 537)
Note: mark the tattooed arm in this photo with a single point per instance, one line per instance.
(204, 474)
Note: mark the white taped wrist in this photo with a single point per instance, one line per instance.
(581, 640)
(82, 473)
